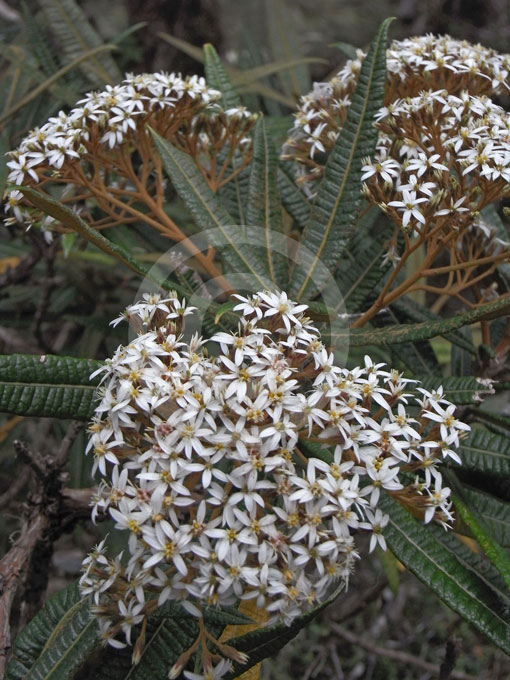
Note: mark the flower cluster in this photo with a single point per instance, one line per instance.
(243, 466)
(90, 149)
(413, 65)
(426, 140)
(442, 156)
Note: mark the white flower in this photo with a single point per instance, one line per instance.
(388, 170)
(377, 521)
(408, 206)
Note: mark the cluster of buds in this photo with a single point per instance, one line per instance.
(102, 154)
(243, 465)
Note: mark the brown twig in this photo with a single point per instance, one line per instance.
(395, 655)
(14, 488)
(50, 510)
(13, 566)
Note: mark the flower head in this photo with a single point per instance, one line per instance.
(212, 477)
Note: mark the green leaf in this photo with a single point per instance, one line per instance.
(491, 216)
(38, 42)
(217, 77)
(417, 546)
(423, 331)
(278, 128)
(170, 632)
(49, 82)
(4, 147)
(73, 221)
(242, 80)
(462, 359)
(411, 310)
(234, 193)
(61, 642)
(293, 199)
(250, 75)
(264, 206)
(485, 452)
(494, 512)
(493, 421)
(210, 215)
(315, 450)
(496, 554)
(477, 563)
(77, 36)
(360, 268)
(265, 642)
(47, 385)
(334, 212)
(419, 358)
(458, 389)
(285, 45)
(346, 49)
(57, 641)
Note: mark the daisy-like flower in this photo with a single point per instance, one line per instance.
(425, 163)
(377, 521)
(388, 170)
(408, 206)
(449, 425)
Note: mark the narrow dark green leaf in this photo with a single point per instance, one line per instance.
(418, 358)
(315, 450)
(278, 128)
(4, 147)
(218, 225)
(49, 82)
(286, 45)
(47, 385)
(419, 549)
(360, 268)
(346, 49)
(73, 221)
(218, 78)
(250, 75)
(485, 452)
(423, 331)
(266, 642)
(226, 308)
(334, 212)
(412, 311)
(493, 421)
(61, 642)
(264, 205)
(494, 512)
(491, 216)
(458, 389)
(496, 553)
(76, 36)
(477, 563)
(293, 199)
(56, 643)
(461, 359)
(233, 194)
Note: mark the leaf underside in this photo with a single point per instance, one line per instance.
(456, 582)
